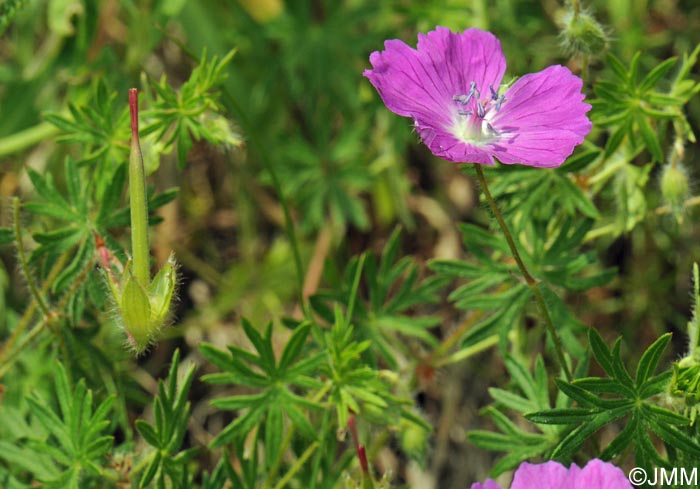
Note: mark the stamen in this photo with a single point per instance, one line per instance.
(464, 99)
(465, 112)
(494, 93)
(499, 102)
(491, 128)
(480, 110)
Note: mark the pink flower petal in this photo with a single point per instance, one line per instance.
(488, 484)
(549, 475)
(459, 59)
(598, 474)
(545, 117)
(422, 83)
(445, 146)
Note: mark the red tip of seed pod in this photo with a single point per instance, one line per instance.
(134, 110)
(362, 455)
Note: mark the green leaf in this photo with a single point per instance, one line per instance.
(617, 67)
(622, 440)
(658, 72)
(562, 416)
(601, 352)
(573, 441)
(171, 412)
(46, 189)
(147, 432)
(294, 346)
(262, 345)
(618, 135)
(650, 359)
(674, 437)
(510, 400)
(583, 397)
(274, 431)
(580, 201)
(651, 140)
(7, 236)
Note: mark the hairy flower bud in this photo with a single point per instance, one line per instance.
(674, 186)
(582, 34)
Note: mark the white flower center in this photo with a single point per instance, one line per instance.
(471, 120)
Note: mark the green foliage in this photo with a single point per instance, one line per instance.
(393, 289)
(520, 445)
(355, 387)
(171, 410)
(383, 335)
(100, 126)
(276, 380)
(492, 285)
(603, 400)
(72, 452)
(8, 9)
(633, 107)
(190, 113)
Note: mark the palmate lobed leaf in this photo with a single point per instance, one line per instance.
(275, 379)
(633, 400)
(650, 359)
(77, 441)
(571, 443)
(171, 411)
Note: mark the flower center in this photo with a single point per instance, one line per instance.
(472, 119)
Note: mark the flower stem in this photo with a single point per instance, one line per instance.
(531, 282)
(24, 264)
(137, 196)
(576, 7)
(26, 138)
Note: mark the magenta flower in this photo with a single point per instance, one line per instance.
(553, 475)
(451, 87)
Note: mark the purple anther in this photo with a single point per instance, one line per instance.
(465, 112)
(480, 110)
(494, 93)
(490, 128)
(499, 102)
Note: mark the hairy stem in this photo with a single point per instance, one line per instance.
(531, 282)
(576, 7)
(6, 352)
(23, 261)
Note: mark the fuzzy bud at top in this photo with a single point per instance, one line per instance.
(674, 186)
(582, 34)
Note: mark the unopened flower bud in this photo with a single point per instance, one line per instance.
(674, 186)
(582, 34)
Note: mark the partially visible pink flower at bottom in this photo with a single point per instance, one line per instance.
(553, 475)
